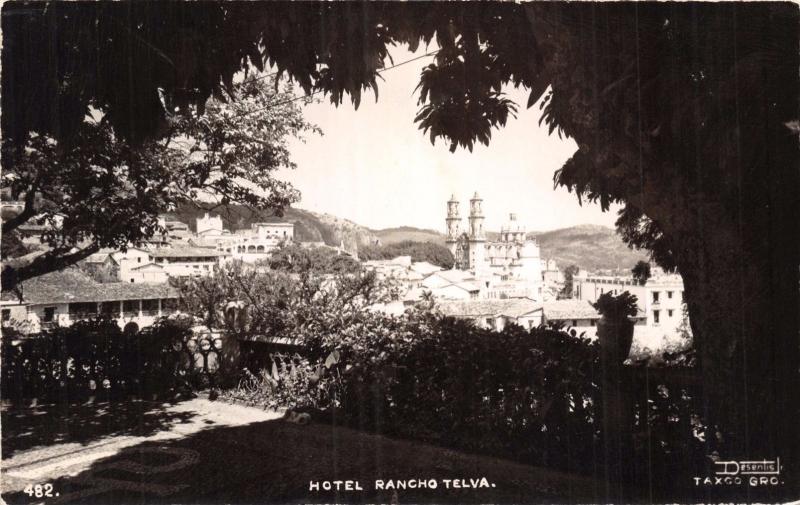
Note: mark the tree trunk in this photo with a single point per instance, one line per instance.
(741, 284)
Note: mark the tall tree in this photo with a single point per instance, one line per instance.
(569, 275)
(98, 190)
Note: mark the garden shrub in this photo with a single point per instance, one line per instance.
(523, 394)
(290, 382)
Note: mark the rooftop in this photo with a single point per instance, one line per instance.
(570, 309)
(574, 309)
(454, 276)
(183, 251)
(512, 307)
(73, 286)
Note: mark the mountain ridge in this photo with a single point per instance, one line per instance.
(590, 246)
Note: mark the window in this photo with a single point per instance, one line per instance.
(139, 259)
(669, 313)
(49, 314)
(132, 280)
(574, 322)
(109, 308)
(6, 315)
(130, 308)
(655, 316)
(592, 322)
(82, 310)
(669, 294)
(655, 296)
(150, 307)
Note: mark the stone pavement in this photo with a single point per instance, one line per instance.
(199, 451)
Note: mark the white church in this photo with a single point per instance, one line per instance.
(510, 267)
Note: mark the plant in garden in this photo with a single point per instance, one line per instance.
(618, 307)
(641, 272)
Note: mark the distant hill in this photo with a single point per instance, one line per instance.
(589, 246)
(592, 247)
(402, 233)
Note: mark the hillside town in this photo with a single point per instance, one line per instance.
(492, 283)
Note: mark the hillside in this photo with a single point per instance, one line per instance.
(591, 247)
(309, 226)
(400, 234)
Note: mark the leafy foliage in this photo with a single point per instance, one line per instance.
(309, 307)
(289, 382)
(419, 251)
(641, 272)
(569, 274)
(616, 307)
(296, 258)
(101, 191)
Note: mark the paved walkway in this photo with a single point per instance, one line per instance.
(212, 452)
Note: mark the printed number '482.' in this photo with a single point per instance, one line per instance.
(39, 490)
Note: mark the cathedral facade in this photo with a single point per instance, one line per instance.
(513, 257)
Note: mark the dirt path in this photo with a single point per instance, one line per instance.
(213, 452)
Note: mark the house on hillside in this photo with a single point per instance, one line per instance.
(180, 260)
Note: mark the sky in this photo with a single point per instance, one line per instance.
(373, 166)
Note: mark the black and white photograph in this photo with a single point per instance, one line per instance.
(528, 252)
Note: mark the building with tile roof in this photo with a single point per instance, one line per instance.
(495, 314)
(63, 297)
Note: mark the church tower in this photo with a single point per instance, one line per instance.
(453, 225)
(477, 237)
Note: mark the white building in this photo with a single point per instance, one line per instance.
(661, 299)
(452, 285)
(251, 245)
(178, 260)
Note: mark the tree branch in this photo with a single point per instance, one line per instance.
(28, 212)
(14, 273)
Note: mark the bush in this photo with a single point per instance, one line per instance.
(521, 394)
(290, 383)
(435, 254)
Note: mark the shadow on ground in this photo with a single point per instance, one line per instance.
(274, 462)
(31, 427)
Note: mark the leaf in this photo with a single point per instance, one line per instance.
(332, 359)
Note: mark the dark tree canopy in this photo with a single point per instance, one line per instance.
(686, 113)
(641, 272)
(99, 190)
(435, 254)
(297, 259)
